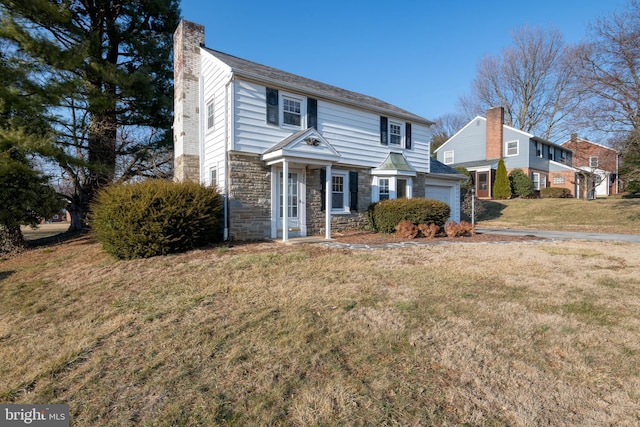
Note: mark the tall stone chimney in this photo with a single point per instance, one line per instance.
(495, 130)
(186, 100)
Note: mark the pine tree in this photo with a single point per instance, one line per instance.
(501, 186)
(104, 70)
(26, 196)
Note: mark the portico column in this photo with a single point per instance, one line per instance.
(285, 200)
(327, 204)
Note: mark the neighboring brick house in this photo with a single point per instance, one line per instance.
(597, 159)
(292, 156)
(480, 144)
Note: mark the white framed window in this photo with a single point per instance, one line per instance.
(383, 188)
(543, 180)
(593, 161)
(552, 153)
(291, 111)
(511, 148)
(535, 177)
(558, 179)
(395, 133)
(448, 157)
(392, 187)
(213, 177)
(539, 149)
(339, 191)
(210, 115)
(563, 156)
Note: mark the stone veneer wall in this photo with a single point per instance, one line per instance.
(249, 198)
(341, 222)
(186, 101)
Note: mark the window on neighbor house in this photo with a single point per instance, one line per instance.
(210, 115)
(383, 188)
(563, 156)
(395, 133)
(291, 111)
(535, 177)
(539, 149)
(448, 157)
(511, 148)
(558, 179)
(543, 180)
(593, 161)
(552, 153)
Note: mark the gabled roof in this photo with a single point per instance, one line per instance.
(308, 144)
(273, 76)
(526, 134)
(589, 142)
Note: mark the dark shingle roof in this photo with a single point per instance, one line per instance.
(273, 76)
(439, 167)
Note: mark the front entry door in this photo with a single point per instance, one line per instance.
(293, 207)
(482, 184)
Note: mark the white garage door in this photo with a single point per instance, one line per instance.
(439, 192)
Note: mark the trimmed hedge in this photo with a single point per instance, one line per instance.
(555, 193)
(384, 216)
(155, 217)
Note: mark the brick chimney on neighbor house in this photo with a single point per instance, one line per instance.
(495, 130)
(186, 105)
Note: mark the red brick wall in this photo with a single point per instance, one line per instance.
(495, 122)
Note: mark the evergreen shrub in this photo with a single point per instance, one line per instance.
(385, 215)
(521, 184)
(501, 187)
(155, 217)
(555, 193)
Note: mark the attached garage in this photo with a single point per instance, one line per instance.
(443, 183)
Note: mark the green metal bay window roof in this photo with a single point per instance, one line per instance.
(395, 163)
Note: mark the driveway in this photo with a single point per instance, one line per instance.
(564, 235)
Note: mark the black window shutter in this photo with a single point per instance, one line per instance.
(272, 106)
(407, 136)
(353, 190)
(323, 188)
(384, 132)
(312, 113)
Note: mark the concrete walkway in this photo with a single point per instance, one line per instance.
(564, 235)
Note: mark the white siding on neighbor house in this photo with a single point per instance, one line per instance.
(446, 191)
(213, 87)
(354, 133)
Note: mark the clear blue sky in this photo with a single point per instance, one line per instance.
(418, 55)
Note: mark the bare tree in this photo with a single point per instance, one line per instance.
(610, 74)
(444, 128)
(534, 80)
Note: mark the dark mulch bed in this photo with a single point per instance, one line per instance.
(369, 238)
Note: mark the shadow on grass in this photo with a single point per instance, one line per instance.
(56, 239)
(491, 210)
(5, 274)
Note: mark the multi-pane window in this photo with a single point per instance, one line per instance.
(292, 111)
(558, 179)
(395, 133)
(593, 161)
(511, 148)
(539, 149)
(210, 116)
(535, 177)
(213, 172)
(448, 157)
(337, 189)
(383, 188)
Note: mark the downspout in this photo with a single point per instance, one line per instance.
(226, 158)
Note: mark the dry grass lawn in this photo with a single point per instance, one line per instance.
(607, 215)
(518, 334)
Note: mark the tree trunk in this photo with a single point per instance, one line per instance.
(11, 240)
